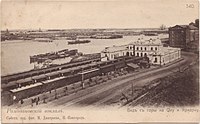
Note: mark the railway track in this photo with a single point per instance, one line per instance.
(23, 75)
(105, 93)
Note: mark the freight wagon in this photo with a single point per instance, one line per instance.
(62, 78)
(23, 75)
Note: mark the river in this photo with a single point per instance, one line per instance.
(15, 54)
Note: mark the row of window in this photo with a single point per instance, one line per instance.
(131, 47)
(124, 54)
(141, 48)
(141, 54)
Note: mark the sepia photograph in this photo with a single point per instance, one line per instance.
(83, 56)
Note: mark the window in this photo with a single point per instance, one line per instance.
(155, 60)
(141, 48)
(155, 48)
(137, 54)
(141, 54)
(151, 48)
(145, 54)
(137, 48)
(127, 54)
(145, 48)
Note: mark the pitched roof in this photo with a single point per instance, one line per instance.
(183, 26)
(115, 48)
(192, 27)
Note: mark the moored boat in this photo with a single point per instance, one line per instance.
(78, 41)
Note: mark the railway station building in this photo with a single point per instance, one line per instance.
(155, 51)
(151, 48)
(110, 53)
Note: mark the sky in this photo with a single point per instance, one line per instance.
(66, 14)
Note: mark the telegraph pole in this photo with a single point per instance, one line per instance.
(82, 78)
(132, 89)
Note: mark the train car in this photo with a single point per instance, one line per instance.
(76, 70)
(52, 75)
(52, 84)
(93, 65)
(67, 80)
(86, 74)
(7, 79)
(35, 85)
(107, 68)
(40, 78)
(120, 64)
(24, 82)
(6, 98)
(4, 80)
(26, 92)
(143, 64)
(60, 82)
(8, 86)
(65, 72)
(13, 77)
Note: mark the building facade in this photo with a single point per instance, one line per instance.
(177, 36)
(192, 38)
(155, 51)
(166, 55)
(182, 36)
(110, 53)
(152, 48)
(146, 47)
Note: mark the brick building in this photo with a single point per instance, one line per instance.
(183, 36)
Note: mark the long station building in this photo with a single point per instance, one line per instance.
(151, 48)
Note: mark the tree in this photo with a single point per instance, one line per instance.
(162, 27)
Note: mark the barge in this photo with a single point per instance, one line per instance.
(43, 40)
(79, 41)
(106, 36)
(52, 56)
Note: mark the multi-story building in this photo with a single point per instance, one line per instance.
(177, 36)
(146, 47)
(182, 35)
(192, 38)
(152, 48)
(155, 51)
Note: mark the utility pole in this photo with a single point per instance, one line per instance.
(132, 89)
(82, 78)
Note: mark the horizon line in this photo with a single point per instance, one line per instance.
(78, 28)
